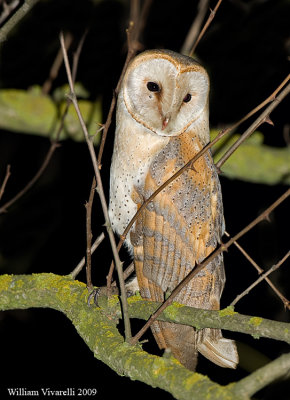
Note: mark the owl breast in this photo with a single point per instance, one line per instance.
(134, 149)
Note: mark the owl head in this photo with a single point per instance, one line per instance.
(165, 92)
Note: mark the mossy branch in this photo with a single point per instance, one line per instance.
(97, 327)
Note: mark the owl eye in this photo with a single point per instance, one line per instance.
(153, 87)
(187, 98)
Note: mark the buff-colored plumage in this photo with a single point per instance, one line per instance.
(162, 122)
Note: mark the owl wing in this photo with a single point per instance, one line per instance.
(178, 229)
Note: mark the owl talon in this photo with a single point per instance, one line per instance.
(101, 291)
(94, 294)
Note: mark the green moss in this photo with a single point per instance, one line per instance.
(172, 310)
(255, 336)
(229, 311)
(256, 321)
(5, 281)
(133, 299)
(113, 301)
(193, 380)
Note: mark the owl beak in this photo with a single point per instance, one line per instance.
(165, 123)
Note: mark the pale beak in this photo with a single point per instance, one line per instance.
(165, 123)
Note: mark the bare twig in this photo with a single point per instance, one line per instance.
(8, 9)
(262, 277)
(285, 301)
(133, 32)
(195, 27)
(199, 267)
(5, 180)
(100, 192)
(89, 206)
(53, 73)
(16, 17)
(82, 263)
(264, 117)
(204, 29)
(76, 55)
(46, 161)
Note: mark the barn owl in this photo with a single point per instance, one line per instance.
(161, 123)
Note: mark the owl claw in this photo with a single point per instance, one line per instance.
(94, 294)
(97, 292)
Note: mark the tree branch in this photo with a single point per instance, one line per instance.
(89, 206)
(5, 180)
(285, 301)
(102, 337)
(195, 27)
(261, 119)
(276, 369)
(97, 327)
(82, 263)
(13, 21)
(204, 29)
(260, 279)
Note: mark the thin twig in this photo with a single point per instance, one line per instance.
(5, 180)
(76, 55)
(29, 185)
(128, 271)
(199, 267)
(82, 263)
(195, 27)
(16, 17)
(8, 9)
(264, 117)
(89, 206)
(53, 73)
(261, 278)
(100, 192)
(204, 29)
(285, 301)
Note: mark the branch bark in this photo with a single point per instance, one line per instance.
(13, 21)
(97, 327)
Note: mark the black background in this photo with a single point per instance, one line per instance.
(245, 51)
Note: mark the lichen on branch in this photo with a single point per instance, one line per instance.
(97, 327)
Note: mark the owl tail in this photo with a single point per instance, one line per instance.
(212, 345)
(180, 339)
(185, 343)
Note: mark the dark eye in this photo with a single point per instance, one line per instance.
(187, 98)
(153, 87)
